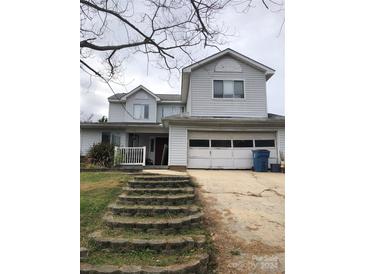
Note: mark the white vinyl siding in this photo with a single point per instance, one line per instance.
(281, 141)
(165, 110)
(88, 137)
(203, 103)
(177, 146)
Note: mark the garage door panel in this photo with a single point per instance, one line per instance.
(221, 153)
(198, 163)
(242, 163)
(242, 153)
(222, 163)
(200, 153)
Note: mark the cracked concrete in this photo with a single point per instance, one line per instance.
(251, 207)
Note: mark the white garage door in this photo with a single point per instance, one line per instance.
(228, 150)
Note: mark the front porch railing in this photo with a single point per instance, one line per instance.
(129, 156)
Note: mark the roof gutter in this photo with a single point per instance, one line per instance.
(225, 122)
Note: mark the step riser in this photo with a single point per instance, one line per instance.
(157, 191)
(199, 266)
(160, 247)
(166, 227)
(158, 185)
(162, 178)
(151, 212)
(161, 202)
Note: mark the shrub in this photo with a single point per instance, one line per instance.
(102, 154)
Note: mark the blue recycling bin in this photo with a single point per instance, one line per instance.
(260, 160)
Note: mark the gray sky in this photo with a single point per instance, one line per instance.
(257, 35)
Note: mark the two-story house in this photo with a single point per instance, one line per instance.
(217, 120)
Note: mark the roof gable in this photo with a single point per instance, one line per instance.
(238, 56)
(185, 77)
(140, 87)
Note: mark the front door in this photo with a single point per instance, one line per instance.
(160, 143)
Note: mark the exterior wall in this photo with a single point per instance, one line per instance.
(178, 149)
(201, 89)
(88, 137)
(118, 114)
(281, 141)
(188, 100)
(168, 109)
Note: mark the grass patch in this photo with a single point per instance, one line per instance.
(97, 190)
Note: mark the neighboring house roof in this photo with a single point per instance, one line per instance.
(159, 97)
(185, 78)
(273, 120)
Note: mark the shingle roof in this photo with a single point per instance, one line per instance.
(169, 97)
(163, 97)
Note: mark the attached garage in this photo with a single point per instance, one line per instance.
(228, 150)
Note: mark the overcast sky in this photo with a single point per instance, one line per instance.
(257, 35)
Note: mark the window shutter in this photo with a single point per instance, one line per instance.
(146, 110)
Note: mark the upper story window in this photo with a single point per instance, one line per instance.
(140, 111)
(228, 89)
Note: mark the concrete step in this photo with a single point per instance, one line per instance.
(179, 199)
(152, 210)
(197, 265)
(161, 178)
(157, 191)
(159, 225)
(83, 253)
(166, 244)
(158, 183)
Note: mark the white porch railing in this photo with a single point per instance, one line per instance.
(129, 156)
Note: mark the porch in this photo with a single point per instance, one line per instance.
(150, 149)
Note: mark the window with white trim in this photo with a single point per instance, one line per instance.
(140, 111)
(228, 89)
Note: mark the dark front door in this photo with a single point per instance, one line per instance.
(160, 143)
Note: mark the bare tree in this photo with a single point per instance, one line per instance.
(164, 30)
(167, 32)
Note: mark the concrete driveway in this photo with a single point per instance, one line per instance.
(247, 211)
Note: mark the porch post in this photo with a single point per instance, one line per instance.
(144, 156)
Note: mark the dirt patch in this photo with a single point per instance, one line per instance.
(233, 255)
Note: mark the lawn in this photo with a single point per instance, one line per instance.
(97, 190)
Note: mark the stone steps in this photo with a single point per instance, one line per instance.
(155, 215)
(152, 210)
(197, 265)
(181, 199)
(162, 225)
(161, 178)
(158, 184)
(157, 191)
(174, 244)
